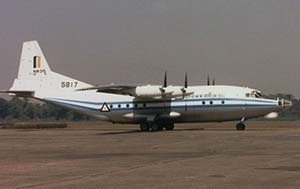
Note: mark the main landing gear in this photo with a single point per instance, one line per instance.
(241, 126)
(152, 126)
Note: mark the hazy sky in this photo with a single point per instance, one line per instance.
(253, 43)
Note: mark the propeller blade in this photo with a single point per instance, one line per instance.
(186, 80)
(165, 81)
(214, 82)
(208, 80)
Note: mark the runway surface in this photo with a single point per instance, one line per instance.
(98, 155)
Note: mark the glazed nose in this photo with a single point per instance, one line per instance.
(285, 103)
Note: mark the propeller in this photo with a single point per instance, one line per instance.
(208, 80)
(186, 80)
(165, 85)
(166, 93)
(214, 82)
(185, 86)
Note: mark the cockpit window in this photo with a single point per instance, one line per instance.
(258, 95)
(254, 94)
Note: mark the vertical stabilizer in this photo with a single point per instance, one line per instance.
(33, 63)
(36, 76)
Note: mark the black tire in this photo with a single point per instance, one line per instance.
(155, 127)
(169, 126)
(240, 127)
(160, 127)
(144, 127)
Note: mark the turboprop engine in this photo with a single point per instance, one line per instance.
(149, 91)
(164, 91)
(156, 91)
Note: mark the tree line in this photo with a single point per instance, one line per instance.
(23, 109)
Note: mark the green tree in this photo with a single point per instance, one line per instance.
(3, 108)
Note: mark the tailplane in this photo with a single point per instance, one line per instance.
(36, 77)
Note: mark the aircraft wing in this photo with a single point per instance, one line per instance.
(143, 92)
(113, 89)
(146, 91)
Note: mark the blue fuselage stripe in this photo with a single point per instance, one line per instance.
(68, 102)
(166, 101)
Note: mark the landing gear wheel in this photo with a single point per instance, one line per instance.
(160, 127)
(144, 127)
(240, 127)
(169, 127)
(155, 127)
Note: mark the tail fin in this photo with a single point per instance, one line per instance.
(33, 63)
(35, 75)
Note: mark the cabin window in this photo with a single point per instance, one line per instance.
(119, 105)
(144, 105)
(111, 106)
(127, 105)
(211, 102)
(223, 102)
(203, 102)
(135, 105)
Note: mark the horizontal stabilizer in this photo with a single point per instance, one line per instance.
(19, 93)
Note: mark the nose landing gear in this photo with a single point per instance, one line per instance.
(241, 126)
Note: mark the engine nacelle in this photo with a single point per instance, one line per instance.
(149, 91)
(156, 91)
(174, 91)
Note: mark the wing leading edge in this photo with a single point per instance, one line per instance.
(113, 89)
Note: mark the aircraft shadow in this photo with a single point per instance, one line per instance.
(119, 132)
(138, 131)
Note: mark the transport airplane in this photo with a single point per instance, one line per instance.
(153, 107)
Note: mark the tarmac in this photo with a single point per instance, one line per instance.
(100, 155)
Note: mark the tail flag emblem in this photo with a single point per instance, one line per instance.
(37, 62)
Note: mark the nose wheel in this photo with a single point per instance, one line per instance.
(240, 126)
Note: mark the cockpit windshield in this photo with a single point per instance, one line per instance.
(255, 94)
